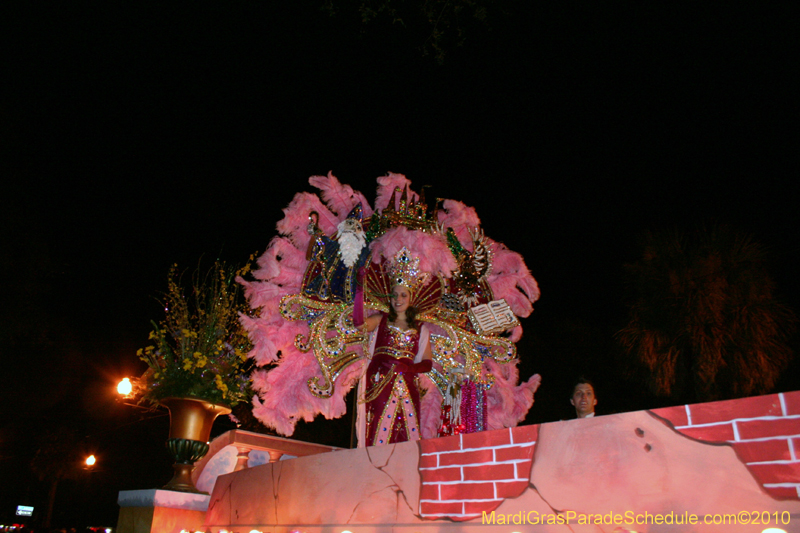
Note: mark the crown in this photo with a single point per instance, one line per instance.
(413, 214)
(404, 270)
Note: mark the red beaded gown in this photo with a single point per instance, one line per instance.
(392, 395)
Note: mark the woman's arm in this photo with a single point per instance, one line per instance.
(425, 342)
(359, 320)
(426, 363)
(427, 354)
(367, 324)
(371, 322)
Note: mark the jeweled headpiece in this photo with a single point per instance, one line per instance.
(404, 270)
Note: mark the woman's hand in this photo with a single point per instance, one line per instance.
(371, 323)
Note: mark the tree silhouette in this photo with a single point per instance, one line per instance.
(56, 459)
(704, 323)
(437, 26)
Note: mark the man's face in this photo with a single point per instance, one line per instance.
(583, 399)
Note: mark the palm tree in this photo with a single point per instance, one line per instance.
(704, 323)
(55, 460)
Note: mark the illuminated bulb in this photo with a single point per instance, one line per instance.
(124, 387)
(773, 530)
(255, 531)
(91, 460)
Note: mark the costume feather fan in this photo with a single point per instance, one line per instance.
(282, 381)
(341, 199)
(461, 218)
(508, 403)
(434, 255)
(386, 187)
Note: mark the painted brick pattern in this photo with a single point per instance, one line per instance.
(464, 475)
(763, 430)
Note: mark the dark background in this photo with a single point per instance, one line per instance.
(137, 135)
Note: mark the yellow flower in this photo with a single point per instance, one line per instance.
(186, 333)
(139, 352)
(202, 362)
(187, 364)
(197, 354)
(153, 335)
(220, 385)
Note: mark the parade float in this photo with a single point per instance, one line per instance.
(728, 466)
(468, 288)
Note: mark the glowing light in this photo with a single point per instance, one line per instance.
(91, 460)
(124, 387)
(774, 530)
(255, 531)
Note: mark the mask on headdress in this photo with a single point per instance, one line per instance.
(351, 237)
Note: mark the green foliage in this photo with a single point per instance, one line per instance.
(704, 323)
(200, 349)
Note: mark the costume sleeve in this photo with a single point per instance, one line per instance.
(421, 368)
(424, 341)
(358, 300)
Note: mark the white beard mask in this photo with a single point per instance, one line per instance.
(351, 240)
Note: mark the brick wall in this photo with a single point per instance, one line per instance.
(464, 475)
(763, 430)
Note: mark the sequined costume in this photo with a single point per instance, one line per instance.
(309, 351)
(391, 395)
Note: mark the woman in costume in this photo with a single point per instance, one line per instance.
(307, 350)
(399, 351)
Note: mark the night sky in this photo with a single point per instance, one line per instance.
(140, 135)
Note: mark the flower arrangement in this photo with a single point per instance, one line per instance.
(200, 349)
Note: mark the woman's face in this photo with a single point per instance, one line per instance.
(401, 298)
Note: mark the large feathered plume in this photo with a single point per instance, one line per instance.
(284, 370)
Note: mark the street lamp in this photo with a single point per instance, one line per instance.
(90, 461)
(125, 387)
